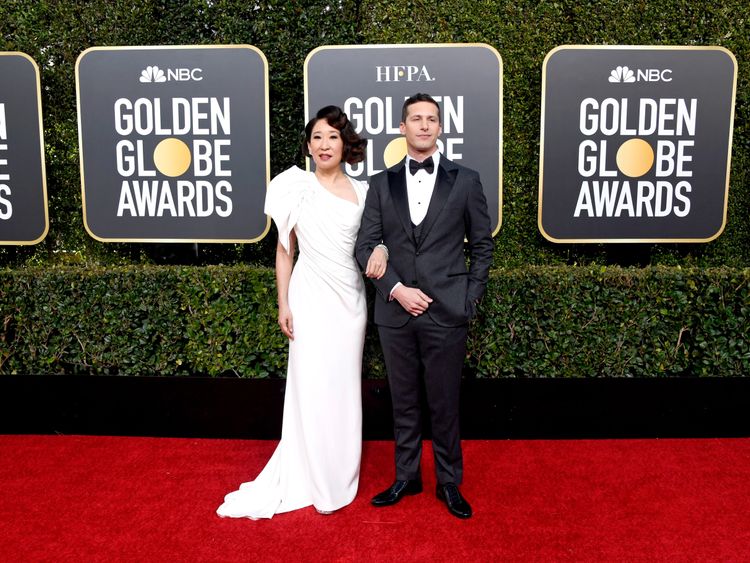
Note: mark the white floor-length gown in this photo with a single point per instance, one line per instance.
(317, 460)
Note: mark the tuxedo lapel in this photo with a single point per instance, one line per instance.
(397, 184)
(446, 177)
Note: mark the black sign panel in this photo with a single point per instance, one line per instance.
(174, 143)
(636, 143)
(371, 82)
(23, 186)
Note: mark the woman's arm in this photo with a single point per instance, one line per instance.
(284, 265)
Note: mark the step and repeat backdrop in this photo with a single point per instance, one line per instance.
(371, 82)
(635, 141)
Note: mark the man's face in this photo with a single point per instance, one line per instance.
(421, 129)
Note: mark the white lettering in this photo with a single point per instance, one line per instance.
(679, 195)
(615, 199)
(667, 117)
(663, 205)
(648, 111)
(125, 162)
(155, 198)
(123, 121)
(221, 187)
(6, 207)
(126, 201)
(586, 162)
(374, 119)
(584, 201)
(588, 123)
(166, 203)
(4, 161)
(199, 116)
(625, 203)
(185, 197)
(454, 115)
(646, 192)
(3, 125)
(374, 115)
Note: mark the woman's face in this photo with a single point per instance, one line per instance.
(326, 146)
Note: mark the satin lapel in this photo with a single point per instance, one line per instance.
(397, 184)
(443, 185)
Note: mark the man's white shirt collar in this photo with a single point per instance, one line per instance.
(419, 188)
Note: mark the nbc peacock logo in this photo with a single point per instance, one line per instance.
(152, 74)
(622, 74)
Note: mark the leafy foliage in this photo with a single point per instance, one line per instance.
(143, 320)
(221, 320)
(55, 33)
(74, 305)
(613, 322)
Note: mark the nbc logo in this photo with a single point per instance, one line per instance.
(626, 74)
(155, 74)
(152, 74)
(622, 74)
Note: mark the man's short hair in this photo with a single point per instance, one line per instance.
(419, 97)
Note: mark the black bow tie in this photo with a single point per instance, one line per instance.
(427, 164)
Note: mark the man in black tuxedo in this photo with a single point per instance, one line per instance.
(422, 210)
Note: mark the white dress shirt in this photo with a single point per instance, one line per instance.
(419, 188)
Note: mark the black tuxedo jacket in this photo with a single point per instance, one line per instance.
(435, 263)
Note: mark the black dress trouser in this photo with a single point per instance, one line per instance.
(440, 351)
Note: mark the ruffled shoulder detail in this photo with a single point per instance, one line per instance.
(284, 199)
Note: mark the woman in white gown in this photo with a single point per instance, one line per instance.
(322, 311)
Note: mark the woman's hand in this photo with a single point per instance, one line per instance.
(285, 322)
(377, 263)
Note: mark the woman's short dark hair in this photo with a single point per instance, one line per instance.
(354, 145)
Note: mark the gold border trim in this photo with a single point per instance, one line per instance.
(173, 47)
(423, 46)
(42, 160)
(639, 48)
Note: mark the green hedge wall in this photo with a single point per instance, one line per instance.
(523, 32)
(150, 320)
(75, 305)
(605, 321)
(221, 320)
(54, 33)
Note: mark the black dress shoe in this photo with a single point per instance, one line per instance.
(397, 491)
(452, 498)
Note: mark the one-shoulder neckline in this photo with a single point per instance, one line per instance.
(358, 203)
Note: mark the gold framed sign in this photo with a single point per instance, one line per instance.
(635, 143)
(24, 217)
(174, 143)
(371, 82)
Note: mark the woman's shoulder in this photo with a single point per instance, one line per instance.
(288, 190)
(290, 178)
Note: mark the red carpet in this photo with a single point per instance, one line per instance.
(79, 498)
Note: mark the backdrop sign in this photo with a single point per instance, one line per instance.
(23, 186)
(635, 143)
(174, 143)
(371, 82)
